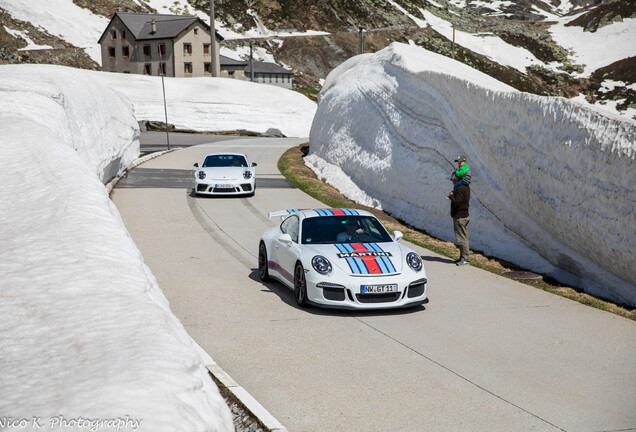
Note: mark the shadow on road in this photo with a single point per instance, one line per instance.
(287, 296)
(438, 259)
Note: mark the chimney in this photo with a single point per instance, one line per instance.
(153, 25)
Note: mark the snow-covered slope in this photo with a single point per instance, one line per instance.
(63, 18)
(553, 181)
(87, 332)
(595, 50)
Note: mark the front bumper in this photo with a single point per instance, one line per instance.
(225, 187)
(411, 291)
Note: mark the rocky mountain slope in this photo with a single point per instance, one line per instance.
(522, 23)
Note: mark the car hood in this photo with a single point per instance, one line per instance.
(362, 258)
(229, 173)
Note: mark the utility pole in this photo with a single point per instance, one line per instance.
(453, 47)
(163, 87)
(361, 30)
(213, 64)
(251, 61)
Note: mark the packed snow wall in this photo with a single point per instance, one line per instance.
(89, 336)
(86, 115)
(553, 182)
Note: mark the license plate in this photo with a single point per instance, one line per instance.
(378, 289)
(223, 186)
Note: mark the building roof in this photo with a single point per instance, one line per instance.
(264, 67)
(168, 26)
(227, 61)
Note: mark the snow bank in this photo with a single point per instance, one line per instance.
(553, 181)
(215, 104)
(83, 113)
(87, 334)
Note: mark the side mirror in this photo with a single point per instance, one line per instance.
(254, 164)
(196, 164)
(285, 238)
(397, 235)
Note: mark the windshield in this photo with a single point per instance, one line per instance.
(222, 161)
(343, 229)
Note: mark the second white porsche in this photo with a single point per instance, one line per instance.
(341, 258)
(225, 174)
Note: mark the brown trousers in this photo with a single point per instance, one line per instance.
(460, 226)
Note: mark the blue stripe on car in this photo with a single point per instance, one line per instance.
(353, 262)
(353, 265)
(381, 263)
(386, 260)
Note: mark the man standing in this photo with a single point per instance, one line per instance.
(459, 198)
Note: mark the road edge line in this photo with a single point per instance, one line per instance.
(246, 399)
(110, 185)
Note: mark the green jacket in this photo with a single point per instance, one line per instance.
(461, 171)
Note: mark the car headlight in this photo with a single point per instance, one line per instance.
(321, 264)
(201, 174)
(247, 174)
(414, 261)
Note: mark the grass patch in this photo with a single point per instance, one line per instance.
(292, 166)
(308, 91)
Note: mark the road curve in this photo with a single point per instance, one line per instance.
(486, 353)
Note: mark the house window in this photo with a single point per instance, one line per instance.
(187, 48)
(161, 49)
(206, 48)
(147, 69)
(207, 68)
(230, 73)
(162, 68)
(147, 50)
(123, 34)
(111, 52)
(196, 31)
(187, 67)
(113, 34)
(125, 52)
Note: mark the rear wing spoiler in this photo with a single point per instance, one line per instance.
(283, 213)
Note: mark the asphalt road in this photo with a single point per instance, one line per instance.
(486, 354)
(150, 142)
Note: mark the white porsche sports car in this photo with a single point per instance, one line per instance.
(225, 174)
(341, 258)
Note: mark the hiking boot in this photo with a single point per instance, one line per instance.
(462, 262)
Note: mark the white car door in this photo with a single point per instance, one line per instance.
(287, 249)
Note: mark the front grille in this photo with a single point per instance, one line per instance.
(247, 187)
(224, 190)
(201, 187)
(337, 294)
(416, 290)
(378, 298)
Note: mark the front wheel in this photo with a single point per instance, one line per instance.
(300, 286)
(263, 271)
